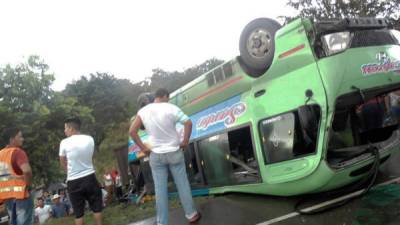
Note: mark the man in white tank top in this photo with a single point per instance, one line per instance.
(159, 119)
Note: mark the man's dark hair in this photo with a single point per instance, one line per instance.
(74, 122)
(9, 133)
(145, 99)
(161, 92)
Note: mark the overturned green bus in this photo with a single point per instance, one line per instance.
(298, 111)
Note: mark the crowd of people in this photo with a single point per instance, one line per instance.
(55, 206)
(112, 187)
(58, 204)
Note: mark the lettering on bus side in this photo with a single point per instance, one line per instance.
(274, 119)
(381, 67)
(228, 116)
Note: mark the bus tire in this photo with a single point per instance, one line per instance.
(257, 45)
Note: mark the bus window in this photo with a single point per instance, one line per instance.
(210, 79)
(179, 99)
(290, 135)
(245, 167)
(228, 70)
(214, 152)
(219, 76)
(192, 169)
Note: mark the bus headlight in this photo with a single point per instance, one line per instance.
(396, 35)
(335, 42)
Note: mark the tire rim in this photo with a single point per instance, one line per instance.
(259, 43)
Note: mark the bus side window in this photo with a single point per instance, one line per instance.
(228, 72)
(219, 76)
(290, 135)
(210, 79)
(179, 100)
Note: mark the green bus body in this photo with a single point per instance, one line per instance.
(284, 159)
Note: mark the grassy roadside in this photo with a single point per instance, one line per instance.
(120, 214)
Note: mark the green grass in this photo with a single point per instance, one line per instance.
(120, 214)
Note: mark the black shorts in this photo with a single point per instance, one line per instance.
(85, 189)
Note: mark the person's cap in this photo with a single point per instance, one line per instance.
(55, 196)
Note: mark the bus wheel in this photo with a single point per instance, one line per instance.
(257, 45)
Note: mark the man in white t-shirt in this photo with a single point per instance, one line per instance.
(76, 153)
(42, 211)
(159, 119)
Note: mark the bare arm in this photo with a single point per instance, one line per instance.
(187, 131)
(63, 162)
(27, 171)
(133, 132)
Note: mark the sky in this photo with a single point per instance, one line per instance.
(126, 38)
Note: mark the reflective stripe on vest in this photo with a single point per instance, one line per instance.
(10, 177)
(12, 185)
(12, 189)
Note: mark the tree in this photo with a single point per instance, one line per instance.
(106, 96)
(26, 85)
(347, 8)
(28, 102)
(44, 136)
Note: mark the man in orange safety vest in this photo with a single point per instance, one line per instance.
(15, 179)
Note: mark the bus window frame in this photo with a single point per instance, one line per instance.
(315, 152)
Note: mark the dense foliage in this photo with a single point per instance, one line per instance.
(347, 8)
(103, 102)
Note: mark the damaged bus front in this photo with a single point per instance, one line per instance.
(359, 63)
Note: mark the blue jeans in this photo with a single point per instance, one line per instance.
(20, 211)
(159, 164)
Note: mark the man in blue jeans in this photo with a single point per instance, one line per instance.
(159, 119)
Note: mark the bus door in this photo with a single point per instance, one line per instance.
(289, 106)
(289, 143)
